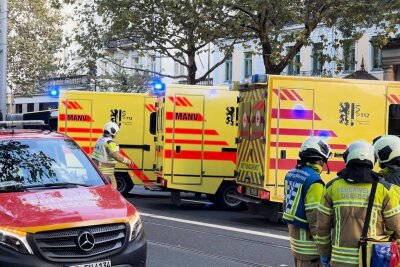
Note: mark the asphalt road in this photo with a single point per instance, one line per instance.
(198, 234)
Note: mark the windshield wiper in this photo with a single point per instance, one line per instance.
(12, 187)
(58, 185)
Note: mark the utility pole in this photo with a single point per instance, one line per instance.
(3, 59)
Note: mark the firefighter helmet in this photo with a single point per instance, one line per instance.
(387, 148)
(360, 151)
(111, 128)
(314, 148)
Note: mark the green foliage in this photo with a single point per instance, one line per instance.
(275, 24)
(34, 37)
(121, 81)
(176, 29)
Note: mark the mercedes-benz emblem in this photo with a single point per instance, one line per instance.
(86, 241)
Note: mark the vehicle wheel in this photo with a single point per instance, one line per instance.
(124, 183)
(224, 201)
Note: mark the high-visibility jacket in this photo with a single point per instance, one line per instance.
(341, 216)
(304, 188)
(103, 149)
(392, 176)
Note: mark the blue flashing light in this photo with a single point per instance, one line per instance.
(157, 87)
(324, 134)
(259, 78)
(54, 91)
(299, 112)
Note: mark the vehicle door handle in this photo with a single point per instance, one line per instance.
(178, 149)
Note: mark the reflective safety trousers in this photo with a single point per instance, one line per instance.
(341, 217)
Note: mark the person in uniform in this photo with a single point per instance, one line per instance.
(106, 152)
(303, 191)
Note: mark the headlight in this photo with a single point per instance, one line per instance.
(15, 240)
(136, 226)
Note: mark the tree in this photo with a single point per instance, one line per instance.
(180, 30)
(34, 38)
(121, 81)
(272, 25)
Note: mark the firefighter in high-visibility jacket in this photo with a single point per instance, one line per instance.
(343, 208)
(387, 151)
(303, 191)
(106, 152)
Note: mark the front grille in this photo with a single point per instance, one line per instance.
(62, 245)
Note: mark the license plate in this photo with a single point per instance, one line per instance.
(106, 263)
(254, 191)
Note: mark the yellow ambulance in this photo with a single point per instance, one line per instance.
(82, 116)
(195, 132)
(277, 115)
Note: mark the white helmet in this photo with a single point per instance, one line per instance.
(111, 128)
(360, 151)
(314, 148)
(387, 148)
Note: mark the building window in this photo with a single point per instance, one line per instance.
(376, 57)
(153, 63)
(48, 105)
(228, 68)
(293, 68)
(248, 64)
(349, 55)
(179, 69)
(30, 107)
(318, 58)
(18, 108)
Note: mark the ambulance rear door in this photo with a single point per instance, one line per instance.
(251, 145)
(187, 139)
(292, 121)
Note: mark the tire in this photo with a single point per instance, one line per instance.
(124, 183)
(225, 202)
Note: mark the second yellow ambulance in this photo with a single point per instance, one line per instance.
(277, 115)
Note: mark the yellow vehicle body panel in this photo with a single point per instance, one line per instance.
(195, 143)
(339, 111)
(82, 116)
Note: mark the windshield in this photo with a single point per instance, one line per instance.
(35, 162)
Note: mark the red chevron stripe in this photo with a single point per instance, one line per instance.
(288, 94)
(297, 95)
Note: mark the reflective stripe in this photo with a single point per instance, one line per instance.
(323, 240)
(344, 259)
(303, 234)
(290, 217)
(311, 206)
(361, 204)
(391, 213)
(323, 209)
(304, 244)
(344, 250)
(373, 222)
(296, 201)
(309, 251)
(337, 225)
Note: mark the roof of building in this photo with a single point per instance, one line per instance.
(361, 74)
